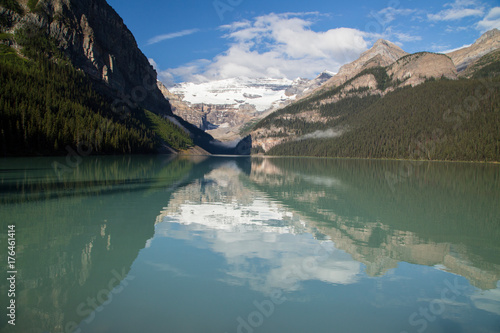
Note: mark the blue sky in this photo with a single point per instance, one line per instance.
(204, 40)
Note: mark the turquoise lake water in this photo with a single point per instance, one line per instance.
(219, 244)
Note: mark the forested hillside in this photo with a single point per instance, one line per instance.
(47, 105)
(440, 119)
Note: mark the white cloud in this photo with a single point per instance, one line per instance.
(189, 72)
(458, 10)
(398, 37)
(447, 50)
(450, 28)
(405, 37)
(455, 14)
(490, 21)
(389, 14)
(153, 63)
(279, 45)
(182, 33)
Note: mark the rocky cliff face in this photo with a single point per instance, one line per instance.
(487, 43)
(97, 41)
(414, 69)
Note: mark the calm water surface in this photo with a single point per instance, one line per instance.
(154, 244)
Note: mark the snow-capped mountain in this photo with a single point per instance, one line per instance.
(261, 93)
(221, 107)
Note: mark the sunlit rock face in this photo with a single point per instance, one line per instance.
(97, 41)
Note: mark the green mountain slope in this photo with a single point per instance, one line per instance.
(47, 105)
(486, 66)
(439, 120)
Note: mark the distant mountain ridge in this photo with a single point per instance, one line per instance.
(222, 107)
(384, 53)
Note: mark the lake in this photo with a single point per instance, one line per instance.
(220, 244)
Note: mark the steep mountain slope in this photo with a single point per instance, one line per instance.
(433, 121)
(48, 107)
(486, 66)
(488, 42)
(96, 40)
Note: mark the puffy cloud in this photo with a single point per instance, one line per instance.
(189, 72)
(278, 45)
(490, 21)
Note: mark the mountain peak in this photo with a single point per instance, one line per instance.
(325, 75)
(383, 53)
(386, 48)
(383, 42)
(491, 34)
(326, 71)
